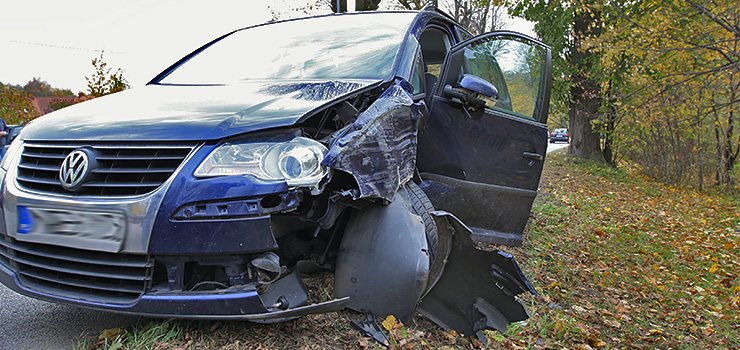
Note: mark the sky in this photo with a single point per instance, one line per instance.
(57, 40)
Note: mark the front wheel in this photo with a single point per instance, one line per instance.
(423, 207)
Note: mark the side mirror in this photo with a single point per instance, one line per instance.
(478, 85)
(473, 90)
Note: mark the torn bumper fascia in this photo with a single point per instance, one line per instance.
(379, 148)
(477, 289)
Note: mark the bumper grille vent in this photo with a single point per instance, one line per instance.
(122, 169)
(78, 274)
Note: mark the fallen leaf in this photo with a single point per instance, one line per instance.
(111, 334)
(596, 342)
(450, 334)
(389, 322)
(578, 309)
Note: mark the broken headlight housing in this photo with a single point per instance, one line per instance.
(297, 162)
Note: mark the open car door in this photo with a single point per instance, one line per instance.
(481, 151)
(480, 155)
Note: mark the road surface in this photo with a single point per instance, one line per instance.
(27, 323)
(556, 146)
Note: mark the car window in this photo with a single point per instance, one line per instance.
(435, 43)
(434, 46)
(322, 48)
(464, 34)
(417, 79)
(514, 66)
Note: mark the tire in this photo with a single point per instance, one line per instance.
(423, 207)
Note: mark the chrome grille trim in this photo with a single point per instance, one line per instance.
(78, 274)
(124, 169)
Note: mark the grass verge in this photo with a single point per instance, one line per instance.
(623, 262)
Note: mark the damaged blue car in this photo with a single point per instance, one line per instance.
(379, 146)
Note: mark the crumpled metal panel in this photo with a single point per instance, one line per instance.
(379, 148)
(477, 289)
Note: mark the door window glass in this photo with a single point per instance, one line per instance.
(515, 66)
(434, 46)
(417, 78)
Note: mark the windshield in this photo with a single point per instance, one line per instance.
(359, 46)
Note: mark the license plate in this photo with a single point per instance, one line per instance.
(103, 231)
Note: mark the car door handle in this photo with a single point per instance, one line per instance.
(532, 156)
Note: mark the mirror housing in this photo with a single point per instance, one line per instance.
(478, 85)
(473, 91)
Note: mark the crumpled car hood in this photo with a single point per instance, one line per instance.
(186, 113)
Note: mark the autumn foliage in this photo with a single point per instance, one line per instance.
(105, 80)
(15, 105)
(657, 81)
(679, 95)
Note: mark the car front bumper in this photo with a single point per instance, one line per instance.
(237, 303)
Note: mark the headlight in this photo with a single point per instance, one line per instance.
(297, 161)
(11, 153)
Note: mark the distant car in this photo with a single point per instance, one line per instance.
(354, 143)
(12, 133)
(559, 135)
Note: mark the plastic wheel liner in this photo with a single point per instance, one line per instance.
(477, 289)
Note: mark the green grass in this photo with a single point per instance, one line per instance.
(620, 262)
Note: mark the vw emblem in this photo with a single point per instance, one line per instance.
(75, 168)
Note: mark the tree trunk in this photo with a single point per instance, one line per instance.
(585, 91)
(362, 5)
(584, 142)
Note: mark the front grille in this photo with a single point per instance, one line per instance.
(78, 274)
(122, 169)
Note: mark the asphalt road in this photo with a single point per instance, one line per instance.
(27, 323)
(556, 146)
